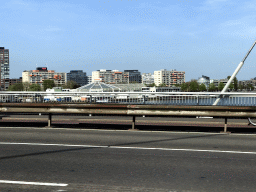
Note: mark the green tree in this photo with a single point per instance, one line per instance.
(184, 87)
(250, 87)
(71, 85)
(212, 87)
(231, 86)
(151, 85)
(162, 85)
(221, 86)
(16, 87)
(177, 85)
(26, 86)
(193, 86)
(34, 87)
(48, 84)
(202, 87)
(241, 87)
(235, 84)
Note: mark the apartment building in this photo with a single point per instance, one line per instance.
(89, 79)
(134, 76)
(4, 69)
(6, 83)
(169, 78)
(78, 76)
(4, 63)
(246, 82)
(110, 76)
(41, 73)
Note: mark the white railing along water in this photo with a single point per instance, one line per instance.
(164, 98)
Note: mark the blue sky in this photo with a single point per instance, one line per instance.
(208, 37)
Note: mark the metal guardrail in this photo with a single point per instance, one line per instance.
(147, 98)
(129, 110)
(124, 109)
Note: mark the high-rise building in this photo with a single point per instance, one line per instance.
(134, 76)
(169, 78)
(78, 76)
(4, 62)
(4, 70)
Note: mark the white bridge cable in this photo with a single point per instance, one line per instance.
(234, 75)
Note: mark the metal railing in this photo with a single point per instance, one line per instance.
(149, 98)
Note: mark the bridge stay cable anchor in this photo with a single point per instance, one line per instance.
(232, 78)
(234, 74)
(252, 121)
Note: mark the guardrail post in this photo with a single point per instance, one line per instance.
(226, 125)
(90, 98)
(49, 120)
(133, 122)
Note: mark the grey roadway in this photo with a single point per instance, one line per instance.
(100, 160)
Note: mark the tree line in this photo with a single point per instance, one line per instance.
(193, 86)
(154, 85)
(47, 84)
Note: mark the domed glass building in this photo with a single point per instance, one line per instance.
(205, 80)
(98, 87)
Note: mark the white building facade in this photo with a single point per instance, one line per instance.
(89, 79)
(41, 73)
(169, 78)
(110, 76)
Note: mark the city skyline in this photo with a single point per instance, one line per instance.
(199, 37)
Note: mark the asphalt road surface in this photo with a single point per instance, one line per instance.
(36, 159)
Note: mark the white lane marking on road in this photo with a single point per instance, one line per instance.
(53, 144)
(121, 147)
(34, 183)
(190, 150)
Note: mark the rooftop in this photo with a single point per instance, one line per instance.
(98, 87)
